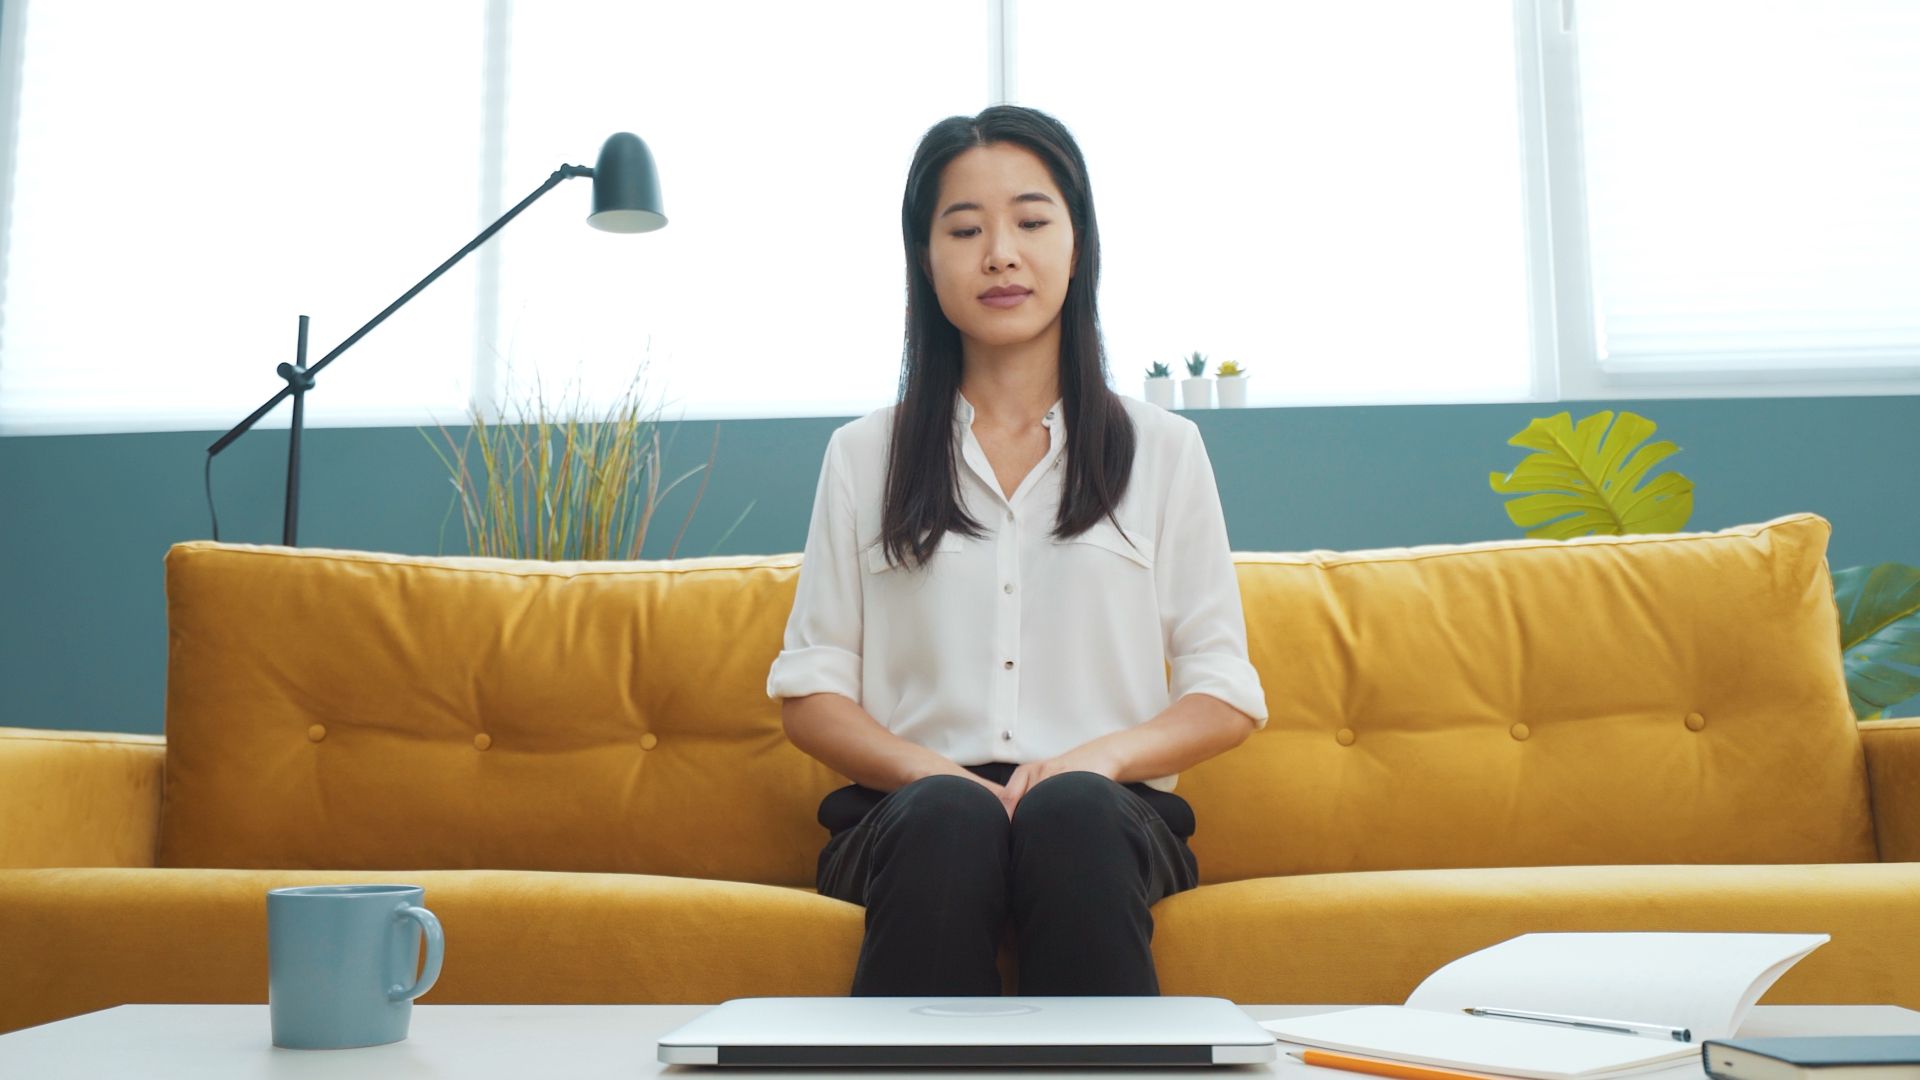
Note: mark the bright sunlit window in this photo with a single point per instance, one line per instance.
(783, 133)
(1395, 201)
(189, 179)
(1751, 173)
(1329, 194)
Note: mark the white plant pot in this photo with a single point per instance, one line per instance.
(1233, 391)
(1160, 392)
(1196, 393)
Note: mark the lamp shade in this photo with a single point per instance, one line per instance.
(626, 190)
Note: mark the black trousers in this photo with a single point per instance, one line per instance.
(941, 870)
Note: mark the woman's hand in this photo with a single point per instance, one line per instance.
(949, 768)
(1006, 801)
(1087, 757)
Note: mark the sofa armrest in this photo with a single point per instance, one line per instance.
(79, 798)
(1893, 775)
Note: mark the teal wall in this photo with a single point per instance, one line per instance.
(85, 520)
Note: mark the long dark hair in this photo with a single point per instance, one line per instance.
(922, 493)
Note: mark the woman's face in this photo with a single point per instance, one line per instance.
(1000, 222)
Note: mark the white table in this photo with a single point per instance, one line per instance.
(213, 1042)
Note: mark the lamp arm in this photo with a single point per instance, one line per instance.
(303, 376)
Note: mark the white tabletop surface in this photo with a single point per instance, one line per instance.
(214, 1042)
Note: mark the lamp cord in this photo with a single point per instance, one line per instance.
(210, 510)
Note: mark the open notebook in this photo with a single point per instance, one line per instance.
(1703, 982)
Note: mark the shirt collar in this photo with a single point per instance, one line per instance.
(963, 411)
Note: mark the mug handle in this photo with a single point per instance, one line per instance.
(436, 952)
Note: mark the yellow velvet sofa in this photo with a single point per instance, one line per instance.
(578, 762)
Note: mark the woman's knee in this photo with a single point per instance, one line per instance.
(934, 808)
(1073, 802)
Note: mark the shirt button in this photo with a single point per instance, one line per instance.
(1006, 735)
(1007, 588)
(1009, 515)
(1008, 665)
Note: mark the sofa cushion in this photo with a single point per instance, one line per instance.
(75, 940)
(1671, 698)
(343, 709)
(1372, 936)
(82, 939)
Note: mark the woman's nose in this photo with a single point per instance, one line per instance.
(1000, 254)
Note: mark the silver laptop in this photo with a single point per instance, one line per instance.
(923, 1031)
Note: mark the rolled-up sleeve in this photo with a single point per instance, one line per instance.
(1202, 624)
(821, 649)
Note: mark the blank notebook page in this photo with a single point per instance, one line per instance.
(1453, 1040)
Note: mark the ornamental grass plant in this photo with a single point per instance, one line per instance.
(563, 481)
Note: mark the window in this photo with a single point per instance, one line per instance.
(189, 179)
(783, 133)
(1746, 175)
(1330, 194)
(1402, 200)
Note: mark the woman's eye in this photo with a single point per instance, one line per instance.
(962, 234)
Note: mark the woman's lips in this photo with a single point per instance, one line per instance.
(1004, 301)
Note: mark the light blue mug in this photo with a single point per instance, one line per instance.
(340, 961)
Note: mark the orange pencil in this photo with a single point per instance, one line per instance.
(1396, 1069)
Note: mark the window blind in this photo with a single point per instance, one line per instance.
(1753, 182)
(783, 134)
(1328, 193)
(189, 179)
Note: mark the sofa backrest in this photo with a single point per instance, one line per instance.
(354, 710)
(1642, 699)
(1671, 698)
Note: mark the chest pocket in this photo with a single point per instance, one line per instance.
(877, 554)
(1127, 544)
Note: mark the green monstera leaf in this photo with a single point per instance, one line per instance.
(1582, 481)
(1879, 628)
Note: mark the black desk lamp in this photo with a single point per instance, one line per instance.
(626, 199)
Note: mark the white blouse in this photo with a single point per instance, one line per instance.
(1019, 647)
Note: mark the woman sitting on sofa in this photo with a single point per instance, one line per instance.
(1017, 617)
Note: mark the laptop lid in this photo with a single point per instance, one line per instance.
(926, 1031)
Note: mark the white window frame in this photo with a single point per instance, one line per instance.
(1568, 366)
(484, 401)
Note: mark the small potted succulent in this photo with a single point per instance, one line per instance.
(1232, 379)
(1160, 386)
(1196, 390)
